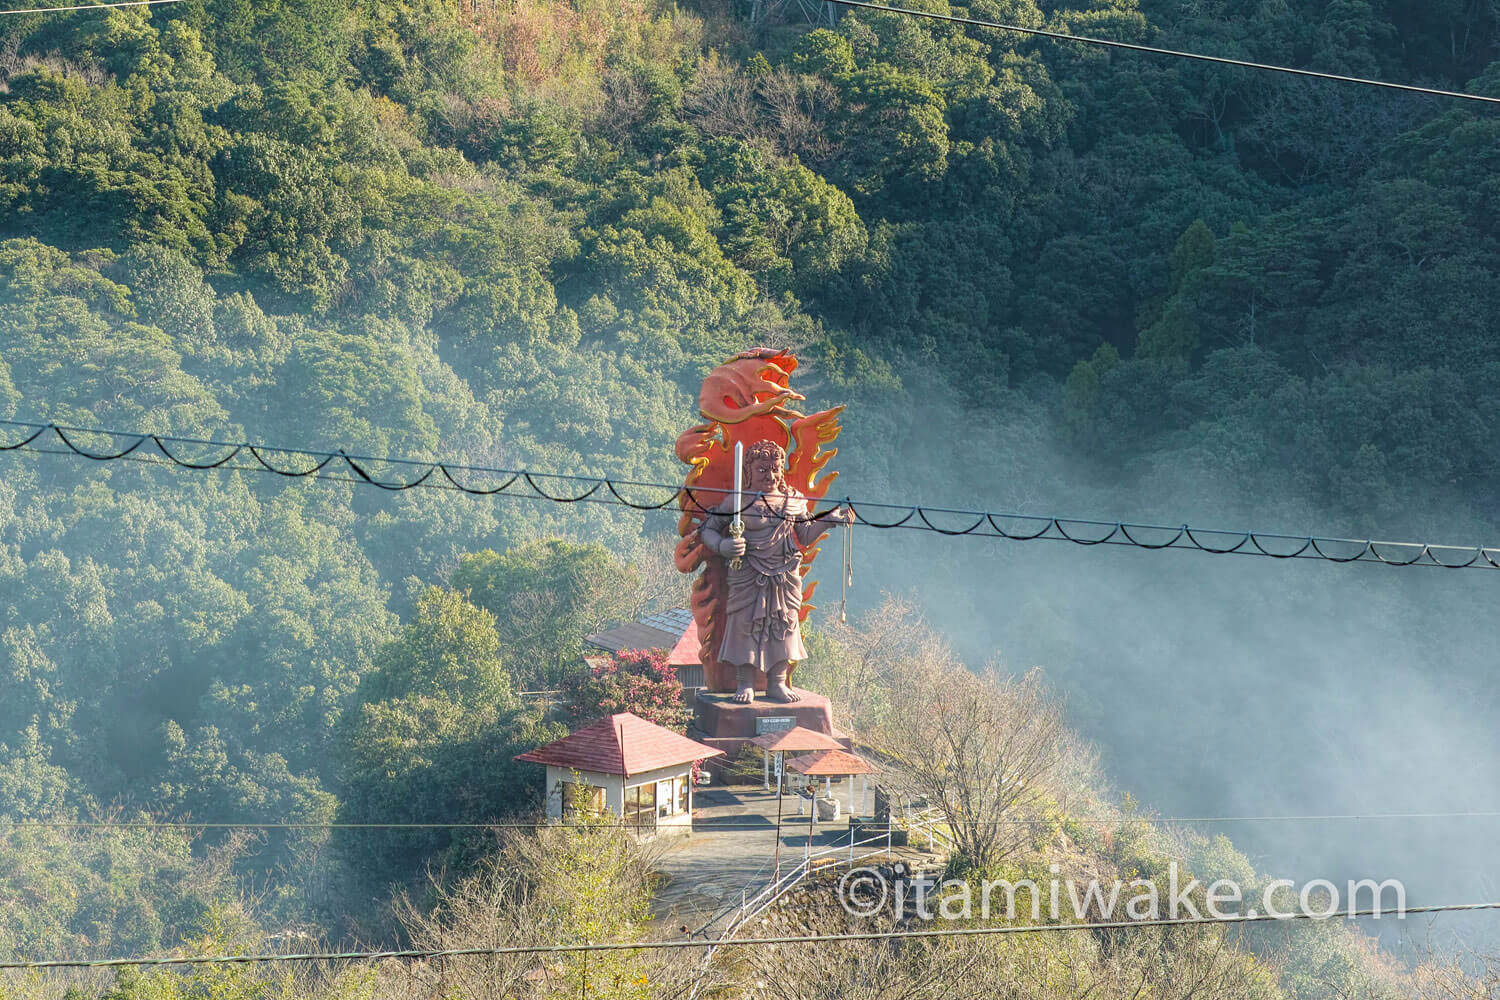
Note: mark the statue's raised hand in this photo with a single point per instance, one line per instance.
(731, 547)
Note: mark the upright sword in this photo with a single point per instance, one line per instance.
(736, 525)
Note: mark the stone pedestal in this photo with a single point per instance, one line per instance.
(725, 725)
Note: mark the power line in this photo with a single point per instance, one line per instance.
(90, 6)
(680, 943)
(952, 521)
(713, 827)
(709, 827)
(1175, 53)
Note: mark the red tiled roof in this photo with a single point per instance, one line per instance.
(797, 739)
(623, 743)
(832, 764)
(631, 635)
(659, 631)
(685, 653)
(672, 620)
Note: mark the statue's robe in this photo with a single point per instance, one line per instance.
(762, 626)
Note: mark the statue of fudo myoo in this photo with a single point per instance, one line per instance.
(749, 520)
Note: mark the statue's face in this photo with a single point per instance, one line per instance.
(763, 473)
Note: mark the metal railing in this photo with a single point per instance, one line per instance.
(753, 906)
(931, 822)
(812, 863)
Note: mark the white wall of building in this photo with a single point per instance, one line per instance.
(613, 785)
(664, 781)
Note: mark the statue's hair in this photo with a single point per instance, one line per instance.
(767, 449)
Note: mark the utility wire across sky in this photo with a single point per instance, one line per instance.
(1060, 36)
(1173, 53)
(89, 6)
(1000, 930)
(713, 827)
(562, 488)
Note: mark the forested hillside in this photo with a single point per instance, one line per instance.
(519, 233)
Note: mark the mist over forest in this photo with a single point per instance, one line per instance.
(1044, 278)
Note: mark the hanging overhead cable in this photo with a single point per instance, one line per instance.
(751, 825)
(674, 944)
(339, 465)
(1062, 36)
(88, 6)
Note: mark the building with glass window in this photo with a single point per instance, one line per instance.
(624, 765)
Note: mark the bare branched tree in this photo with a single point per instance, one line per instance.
(854, 660)
(485, 910)
(788, 111)
(721, 101)
(798, 108)
(560, 885)
(626, 104)
(869, 970)
(1473, 978)
(659, 585)
(979, 746)
(1445, 969)
(1354, 129)
(1196, 963)
(541, 627)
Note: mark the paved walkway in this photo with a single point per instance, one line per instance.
(733, 846)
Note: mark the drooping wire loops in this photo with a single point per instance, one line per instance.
(690, 501)
(922, 513)
(26, 440)
(585, 495)
(1016, 536)
(289, 473)
(524, 484)
(1238, 546)
(175, 460)
(1418, 551)
(1138, 543)
(140, 440)
(477, 491)
(1114, 529)
(392, 487)
(1306, 544)
(864, 519)
(614, 492)
(1360, 551)
(1473, 560)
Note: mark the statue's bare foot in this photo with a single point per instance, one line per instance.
(744, 684)
(777, 690)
